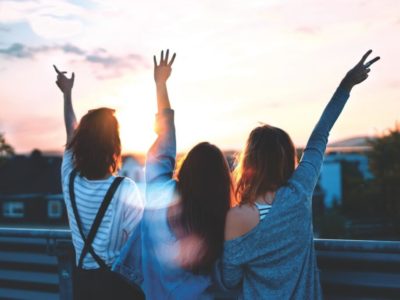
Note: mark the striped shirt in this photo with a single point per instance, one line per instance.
(263, 210)
(122, 216)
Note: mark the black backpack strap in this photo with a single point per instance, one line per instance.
(88, 244)
(77, 217)
(96, 224)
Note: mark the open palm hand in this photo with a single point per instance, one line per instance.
(162, 71)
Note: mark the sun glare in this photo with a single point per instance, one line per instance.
(135, 111)
(136, 129)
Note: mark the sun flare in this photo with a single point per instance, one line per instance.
(136, 112)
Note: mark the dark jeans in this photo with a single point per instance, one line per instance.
(100, 284)
(91, 284)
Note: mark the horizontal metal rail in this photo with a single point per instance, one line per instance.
(42, 233)
(320, 244)
(38, 263)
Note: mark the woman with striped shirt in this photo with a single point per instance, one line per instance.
(90, 162)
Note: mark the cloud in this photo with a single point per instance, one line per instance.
(47, 18)
(112, 65)
(17, 50)
(307, 30)
(105, 61)
(4, 29)
(68, 48)
(98, 57)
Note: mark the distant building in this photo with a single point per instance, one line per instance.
(330, 181)
(358, 158)
(30, 190)
(31, 174)
(32, 209)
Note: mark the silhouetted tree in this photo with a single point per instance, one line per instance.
(384, 162)
(331, 225)
(360, 196)
(6, 150)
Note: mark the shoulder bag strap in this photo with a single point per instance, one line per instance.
(96, 224)
(79, 224)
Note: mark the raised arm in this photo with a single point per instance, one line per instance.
(65, 84)
(160, 161)
(309, 168)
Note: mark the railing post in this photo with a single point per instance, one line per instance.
(65, 258)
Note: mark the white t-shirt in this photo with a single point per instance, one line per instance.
(122, 216)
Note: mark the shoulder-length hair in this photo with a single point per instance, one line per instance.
(96, 146)
(205, 188)
(265, 165)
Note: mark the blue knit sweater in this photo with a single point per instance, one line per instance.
(276, 259)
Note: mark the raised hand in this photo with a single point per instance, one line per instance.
(359, 73)
(163, 70)
(65, 84)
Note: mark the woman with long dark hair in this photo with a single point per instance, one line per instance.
(269, 250)
(92, 191)
(184, 218)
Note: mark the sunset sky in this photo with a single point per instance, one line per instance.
(238, 63)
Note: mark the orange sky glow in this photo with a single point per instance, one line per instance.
(238, 63)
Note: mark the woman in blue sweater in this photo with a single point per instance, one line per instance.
(184, 219)
(269, 251)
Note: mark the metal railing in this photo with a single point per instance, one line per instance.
(36, 263)
(39, 264)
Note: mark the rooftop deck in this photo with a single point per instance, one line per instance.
(38, 264)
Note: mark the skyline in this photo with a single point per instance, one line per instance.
(237, 64)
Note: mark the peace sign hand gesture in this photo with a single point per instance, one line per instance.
(163, 70)
(359, 73)
(65, 84)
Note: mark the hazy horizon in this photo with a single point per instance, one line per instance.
(331, 145)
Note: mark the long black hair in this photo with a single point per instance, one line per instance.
(205, 190)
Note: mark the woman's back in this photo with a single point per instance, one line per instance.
(275, 259)
(121, 217)
(164, 276)
(183, 222)
(274, 250)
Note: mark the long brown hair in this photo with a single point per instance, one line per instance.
(205, 188)
(96, 145)
(266, 163)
